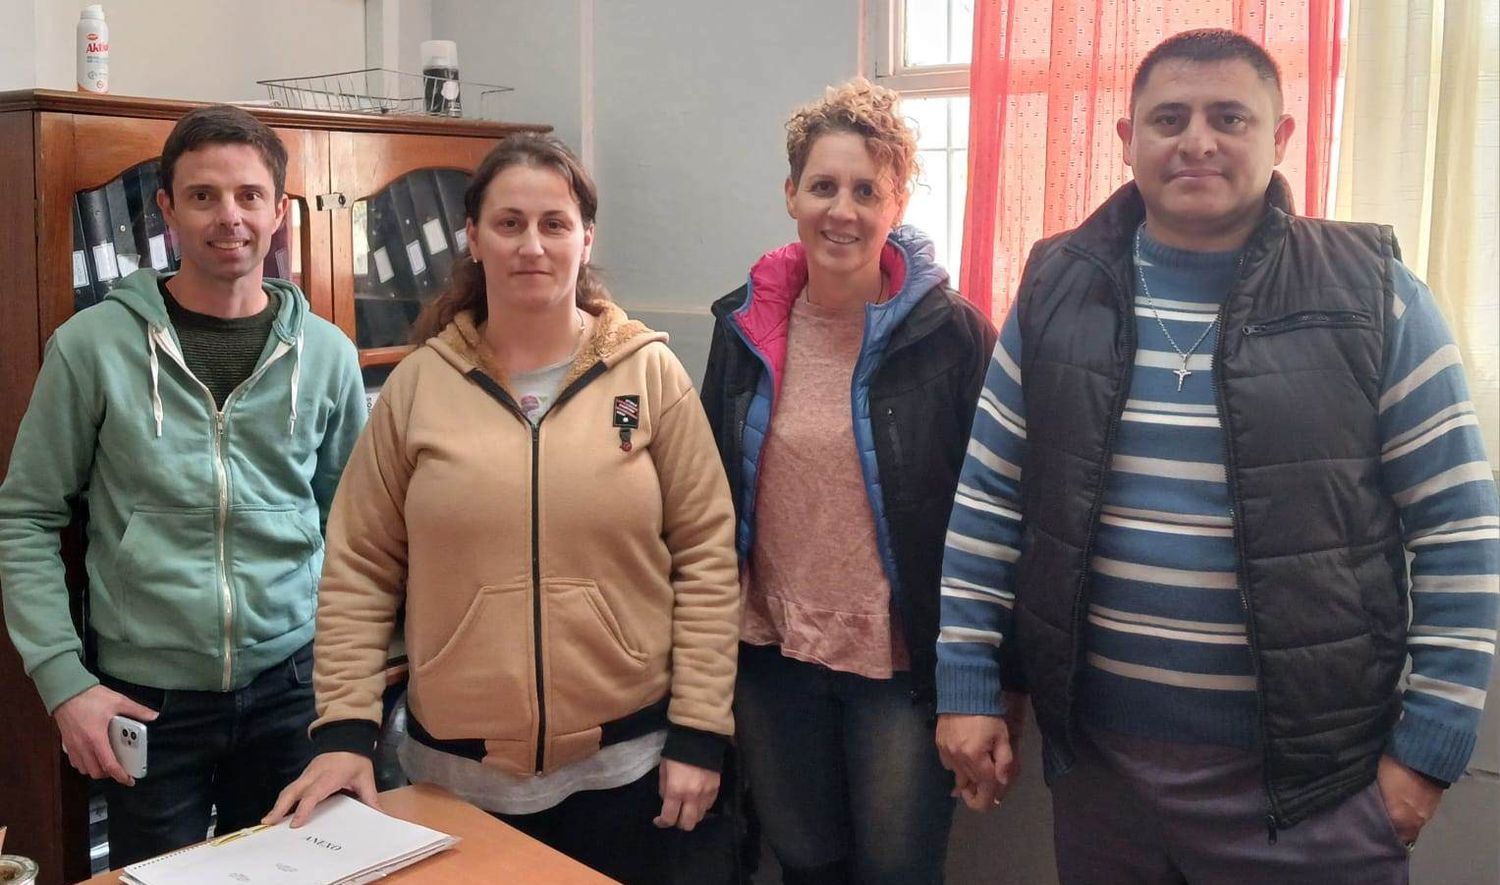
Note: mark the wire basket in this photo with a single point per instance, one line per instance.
(385, 91)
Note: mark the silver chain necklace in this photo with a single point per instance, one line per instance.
(1182, 373)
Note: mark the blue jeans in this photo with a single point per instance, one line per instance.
(843, 772)
(234, 750)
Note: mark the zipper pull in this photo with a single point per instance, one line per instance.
(1270, 829)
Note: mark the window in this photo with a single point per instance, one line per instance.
(922, 49)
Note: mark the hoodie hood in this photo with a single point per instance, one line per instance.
(140, 293)
(615, 336)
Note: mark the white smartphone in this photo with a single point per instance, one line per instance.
(127, 738)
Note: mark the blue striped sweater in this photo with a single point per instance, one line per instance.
(1165, 638)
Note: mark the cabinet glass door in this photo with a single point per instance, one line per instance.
(407, 238)
(118, 228)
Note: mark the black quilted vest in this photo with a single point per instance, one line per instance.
(1321, 567)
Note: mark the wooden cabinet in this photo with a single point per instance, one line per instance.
(56, 145)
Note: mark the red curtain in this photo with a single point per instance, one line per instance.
(1049, 80)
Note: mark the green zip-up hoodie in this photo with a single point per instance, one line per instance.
(205, 527)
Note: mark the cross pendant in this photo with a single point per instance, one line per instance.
(1181, 374)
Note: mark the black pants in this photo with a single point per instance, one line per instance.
(235, 750)
(607, 830)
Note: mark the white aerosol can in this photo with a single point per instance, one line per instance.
(93, 50)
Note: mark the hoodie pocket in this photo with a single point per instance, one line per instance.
(480, 684)
(273, 556)
(166, 581)
(592, 663)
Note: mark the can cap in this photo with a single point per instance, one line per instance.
(439, 54)
(94, 11)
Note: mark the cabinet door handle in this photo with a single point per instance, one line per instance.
(330, 202)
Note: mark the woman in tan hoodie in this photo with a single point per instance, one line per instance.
(539, 491)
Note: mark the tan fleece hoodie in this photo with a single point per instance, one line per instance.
(554, 580)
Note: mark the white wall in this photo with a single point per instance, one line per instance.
(677, 106)
(17, 44)
(690, 102)
(394, 31)
(206, 50)
(684, 118)
(531, 46)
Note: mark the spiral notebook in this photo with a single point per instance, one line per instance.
(345, 842)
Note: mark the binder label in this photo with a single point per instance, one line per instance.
(414, 254)
(80, 270)
(104, 262)
(432, 229)
(158, 250)
(461, 239)
(383, 265)
(129, 263)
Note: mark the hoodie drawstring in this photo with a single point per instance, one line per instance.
(156, 410)
(296, 380)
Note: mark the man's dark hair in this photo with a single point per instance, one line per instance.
(1208, 45)
(222, 124)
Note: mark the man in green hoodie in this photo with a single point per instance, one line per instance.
(204, 417)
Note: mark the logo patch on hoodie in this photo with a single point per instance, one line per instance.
(628, 411)
(627, 418)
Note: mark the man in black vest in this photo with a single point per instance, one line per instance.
(1211, 435)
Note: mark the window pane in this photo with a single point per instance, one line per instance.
(961, 31)
(937, 32)
(937, 205)
(930, 117)
(958, 178)
(928, 210)
(926, 32)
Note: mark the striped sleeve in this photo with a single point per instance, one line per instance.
(1433, 463)
(983, 542)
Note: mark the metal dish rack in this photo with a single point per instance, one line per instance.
(381, 91)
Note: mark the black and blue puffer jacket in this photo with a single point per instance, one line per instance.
(913, 390)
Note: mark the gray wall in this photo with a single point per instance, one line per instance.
(680, 104)
(690, 102)
(206, 50)
(531, 46)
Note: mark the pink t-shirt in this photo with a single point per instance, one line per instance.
(815, 583)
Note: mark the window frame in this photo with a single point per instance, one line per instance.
(883, 53)
(885, 25)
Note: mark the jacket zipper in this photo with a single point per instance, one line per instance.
(536, 588)
(893, 432)
(500, 395)
(221, 476)
(1335, 319)
(1296, 320)
(221, 525)
(1117, 409)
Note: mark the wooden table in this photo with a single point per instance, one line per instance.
(490, 851)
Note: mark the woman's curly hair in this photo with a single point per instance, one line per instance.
(867, 110)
